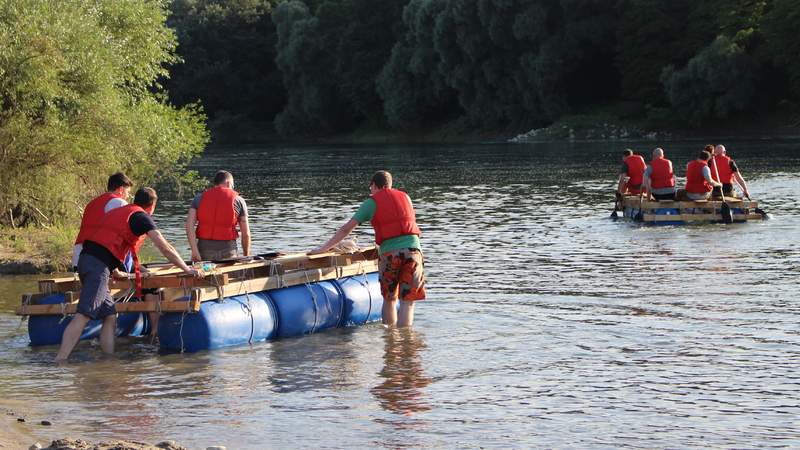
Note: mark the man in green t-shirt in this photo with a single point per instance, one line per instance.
(400, 266)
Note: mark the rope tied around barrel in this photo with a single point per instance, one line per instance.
(314, 300)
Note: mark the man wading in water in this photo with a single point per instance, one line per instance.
(120, 231)
(400, 266)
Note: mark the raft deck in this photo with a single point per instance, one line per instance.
(173, 287)
(677, 212)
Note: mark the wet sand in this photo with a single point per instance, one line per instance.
(16, 434)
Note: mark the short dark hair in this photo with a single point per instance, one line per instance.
(145, 197)
(222, 176)
(382, 179)
(709, 148)
(704, 155)
(117, 181)
(627, 152)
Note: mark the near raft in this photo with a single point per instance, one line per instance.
(236, 303)
(667, 212)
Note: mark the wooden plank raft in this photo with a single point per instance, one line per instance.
(177, 292)
(632, 201)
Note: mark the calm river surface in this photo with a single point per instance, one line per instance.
(547, 324)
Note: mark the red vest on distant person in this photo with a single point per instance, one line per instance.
(114, 233)
(724, 168)
(94, 211)
(636, 167)
(695, 181)
(216, 217)
(661, 175)
(394, 216)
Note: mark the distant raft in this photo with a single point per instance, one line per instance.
(236, 303)
(689, 212)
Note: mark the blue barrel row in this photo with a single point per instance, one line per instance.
(252, 317)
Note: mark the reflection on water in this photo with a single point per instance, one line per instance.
(403, 388)
(547, 324)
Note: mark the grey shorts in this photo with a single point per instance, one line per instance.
(96, 301)
(217, 250)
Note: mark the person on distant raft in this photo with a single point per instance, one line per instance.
(631, 174)
(118, 189)
(212, 219)
(726, 172)
(659, 179)
(698, 178)
(119, 232)
(400, 267)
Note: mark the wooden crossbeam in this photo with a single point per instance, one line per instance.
(170, 276)
(697, 217)
(289, 279)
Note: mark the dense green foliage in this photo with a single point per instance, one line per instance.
(79, 101)
(330, 66)
(228, 51)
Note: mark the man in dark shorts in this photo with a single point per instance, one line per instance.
(400, 267)
(120, 231)
(725, 170)
(212, 219)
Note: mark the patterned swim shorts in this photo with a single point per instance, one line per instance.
(402, 274)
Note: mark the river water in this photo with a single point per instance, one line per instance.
(547, 324)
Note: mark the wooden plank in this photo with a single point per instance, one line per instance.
(173, 282)
(633, 202)
(289, 279)
(136, 307)
(697, 217)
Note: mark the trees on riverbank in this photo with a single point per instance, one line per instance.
(79, 99)
(337, 65)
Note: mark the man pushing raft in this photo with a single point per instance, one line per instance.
(400, 266)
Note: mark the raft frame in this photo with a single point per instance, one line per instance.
(225, 280)
(668, 212)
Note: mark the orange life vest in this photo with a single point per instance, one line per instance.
(636, 167)
(216, 217)
(661, 175)
(724, 173)
(114, 233)
(394, 216)
(94, 211)
(695, 181)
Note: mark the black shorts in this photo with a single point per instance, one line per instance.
(670, 196)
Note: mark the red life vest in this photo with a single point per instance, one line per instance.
(94, 211)
(114, 233)
(724, 173)
(216, 217)
(394, 216)
(636, 167)
(661, 175)
(695, 181)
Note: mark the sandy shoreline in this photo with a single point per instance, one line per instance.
(16, 434)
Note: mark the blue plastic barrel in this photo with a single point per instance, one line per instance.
(285, 312)
(234, 321)
(47, 330)
(362, 299)
(308, 308)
